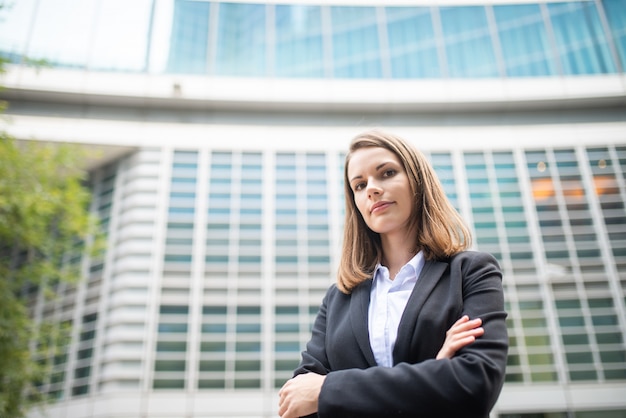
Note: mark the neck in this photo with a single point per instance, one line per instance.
(396, 253)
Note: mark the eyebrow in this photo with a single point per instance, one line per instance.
(378, 167)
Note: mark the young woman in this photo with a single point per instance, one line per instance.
(388, 340)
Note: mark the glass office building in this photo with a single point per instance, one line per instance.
(220, 130)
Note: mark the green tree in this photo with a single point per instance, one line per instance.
(44, 220)
(44, 227)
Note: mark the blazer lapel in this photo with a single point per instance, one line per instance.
(430, 275)
(359, 313)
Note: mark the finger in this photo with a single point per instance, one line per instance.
(283, 408)
(458, 344)
(464, 326)
(282, 398)
(285, 387)
(475, 332)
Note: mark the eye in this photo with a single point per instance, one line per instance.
(359, 186)
(389, 172)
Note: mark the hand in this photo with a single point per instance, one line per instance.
(460, 334)
(298, 396)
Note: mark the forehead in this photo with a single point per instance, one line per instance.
(369, 158)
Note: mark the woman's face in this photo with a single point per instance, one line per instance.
(382, 193)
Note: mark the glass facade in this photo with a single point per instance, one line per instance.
(330, 41)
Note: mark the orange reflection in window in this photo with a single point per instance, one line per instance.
(605, 184)
(542, 188)
(573, 188)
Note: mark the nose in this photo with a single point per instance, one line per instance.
(373, 188)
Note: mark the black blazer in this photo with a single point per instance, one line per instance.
(467, 385)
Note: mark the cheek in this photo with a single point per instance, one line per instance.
(360, 204)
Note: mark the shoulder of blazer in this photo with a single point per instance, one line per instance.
(334, 292)
(467, 258)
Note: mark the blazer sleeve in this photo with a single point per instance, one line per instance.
(467, 385)
(314, 357)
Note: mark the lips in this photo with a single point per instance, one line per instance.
(379, 206)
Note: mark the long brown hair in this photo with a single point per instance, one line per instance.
(441, 232)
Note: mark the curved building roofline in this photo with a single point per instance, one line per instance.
(202, 92)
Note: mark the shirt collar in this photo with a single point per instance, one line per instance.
(415, 264)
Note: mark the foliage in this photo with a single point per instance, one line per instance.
(44, 225)
(44, 220)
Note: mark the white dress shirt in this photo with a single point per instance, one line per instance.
(388, 299)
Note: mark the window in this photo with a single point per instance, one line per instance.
(584, 50)
(468, 46)
(241, 42)
(299, 41)
(356, 48)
